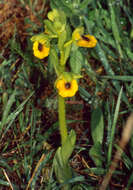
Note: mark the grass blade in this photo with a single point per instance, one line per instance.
(115, 30)
(114, 125)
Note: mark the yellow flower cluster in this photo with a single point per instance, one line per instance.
(66, 86)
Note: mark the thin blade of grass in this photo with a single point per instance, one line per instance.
(114, 126)
(122, 78)
(114, 25)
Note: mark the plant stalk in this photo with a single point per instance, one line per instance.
(62, 119)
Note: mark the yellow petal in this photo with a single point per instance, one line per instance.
(77, 33)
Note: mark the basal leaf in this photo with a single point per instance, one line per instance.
(97, 125)
(96, 154)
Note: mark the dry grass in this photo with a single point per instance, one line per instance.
(13, 15)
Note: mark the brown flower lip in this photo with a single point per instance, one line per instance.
(67, 85)
(40, 47)
(85, 38)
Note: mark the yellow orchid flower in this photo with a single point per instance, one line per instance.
(82, 40)
(40, 49)
(67, 88)
(88, 41)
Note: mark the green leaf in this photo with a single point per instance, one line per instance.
(54, 61)
(67, 48)
(119, 77)
(129, 53)
(38, 37)
(67, 52)
(61, 160)
(97, 125)
(84, 94)
(115, 29)
(112, 135)
(96, 154)
(68, 146)
(63, 171)
(76, 61)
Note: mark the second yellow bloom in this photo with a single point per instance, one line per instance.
(40, 49)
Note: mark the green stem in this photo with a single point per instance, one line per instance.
(62, 119)
(62, 58)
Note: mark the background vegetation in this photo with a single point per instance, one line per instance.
(29, 133)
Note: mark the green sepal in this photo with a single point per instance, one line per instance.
(39, 37)
(68, 76)
(61, 160)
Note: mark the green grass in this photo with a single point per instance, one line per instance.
(29, 131)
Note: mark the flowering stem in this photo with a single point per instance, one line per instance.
(62, 58)
(62, 119)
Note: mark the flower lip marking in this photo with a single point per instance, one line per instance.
(67, 85)
(85, 38)
(40, 47)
